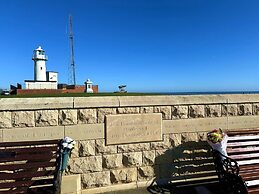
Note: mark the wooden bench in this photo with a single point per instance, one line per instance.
(29, 167)
(239, 171)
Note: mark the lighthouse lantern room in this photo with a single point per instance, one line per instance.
(39, 59)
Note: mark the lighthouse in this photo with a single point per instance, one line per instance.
(42, 79)
(39, 59)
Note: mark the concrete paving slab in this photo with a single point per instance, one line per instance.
(203, 189)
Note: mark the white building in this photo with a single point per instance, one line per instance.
(89, 86)
(42, 79)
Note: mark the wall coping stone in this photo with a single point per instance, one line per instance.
(89, 102)
(121, 101)
(36, 103)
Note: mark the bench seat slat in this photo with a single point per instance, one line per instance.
(248, 168)
(247, 162)
(253, 190)
(249, 175)
(252, 183)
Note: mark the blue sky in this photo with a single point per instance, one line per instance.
(149, 45)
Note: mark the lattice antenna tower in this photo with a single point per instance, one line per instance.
(72, 73)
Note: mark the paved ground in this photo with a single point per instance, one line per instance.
(204, 189)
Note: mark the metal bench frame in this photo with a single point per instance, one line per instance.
(228, 173)
(238, 172)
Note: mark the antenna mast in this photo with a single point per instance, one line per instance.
(72, 74)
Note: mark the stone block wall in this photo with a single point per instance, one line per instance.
(182, 154)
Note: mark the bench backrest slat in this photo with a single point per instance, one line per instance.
(28, 143)
(26, 174)
(27, 166)
(24, 165)
(26, 183)
(242, 150)
(243, 138)
(30, 150)
(246, 143)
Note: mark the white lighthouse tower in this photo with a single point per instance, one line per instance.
(42, 79)
(39, 59)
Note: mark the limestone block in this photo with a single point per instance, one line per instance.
(169, 171)
(229, 109)
(175, 139)
(68, 117)
(145, 173)
(1, 134)
(85, 164)
(85, 131)
(149, 157)
(97, 179)
(33, 133)
(23, 119)
(202, 154)
(101, 112)
(194, 125)
(112, 161)
(244, 122)
(202, 136)
(86, 148)
(256, 109)
(125, 175)
(71, 184)
(133, 147)
(5, 120)
(75, 151)
(87, 116)
(128, 110)
(165, 110)
(213, 110)
(46, 118)
(101, 148)
(132, 159)
(165, 144)
(147, 109)
(244, 109)
(179, 112)
(187, 137)
(196, 111)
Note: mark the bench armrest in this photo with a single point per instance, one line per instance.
(224, 164)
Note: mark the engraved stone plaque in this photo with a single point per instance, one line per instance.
(132, 128)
